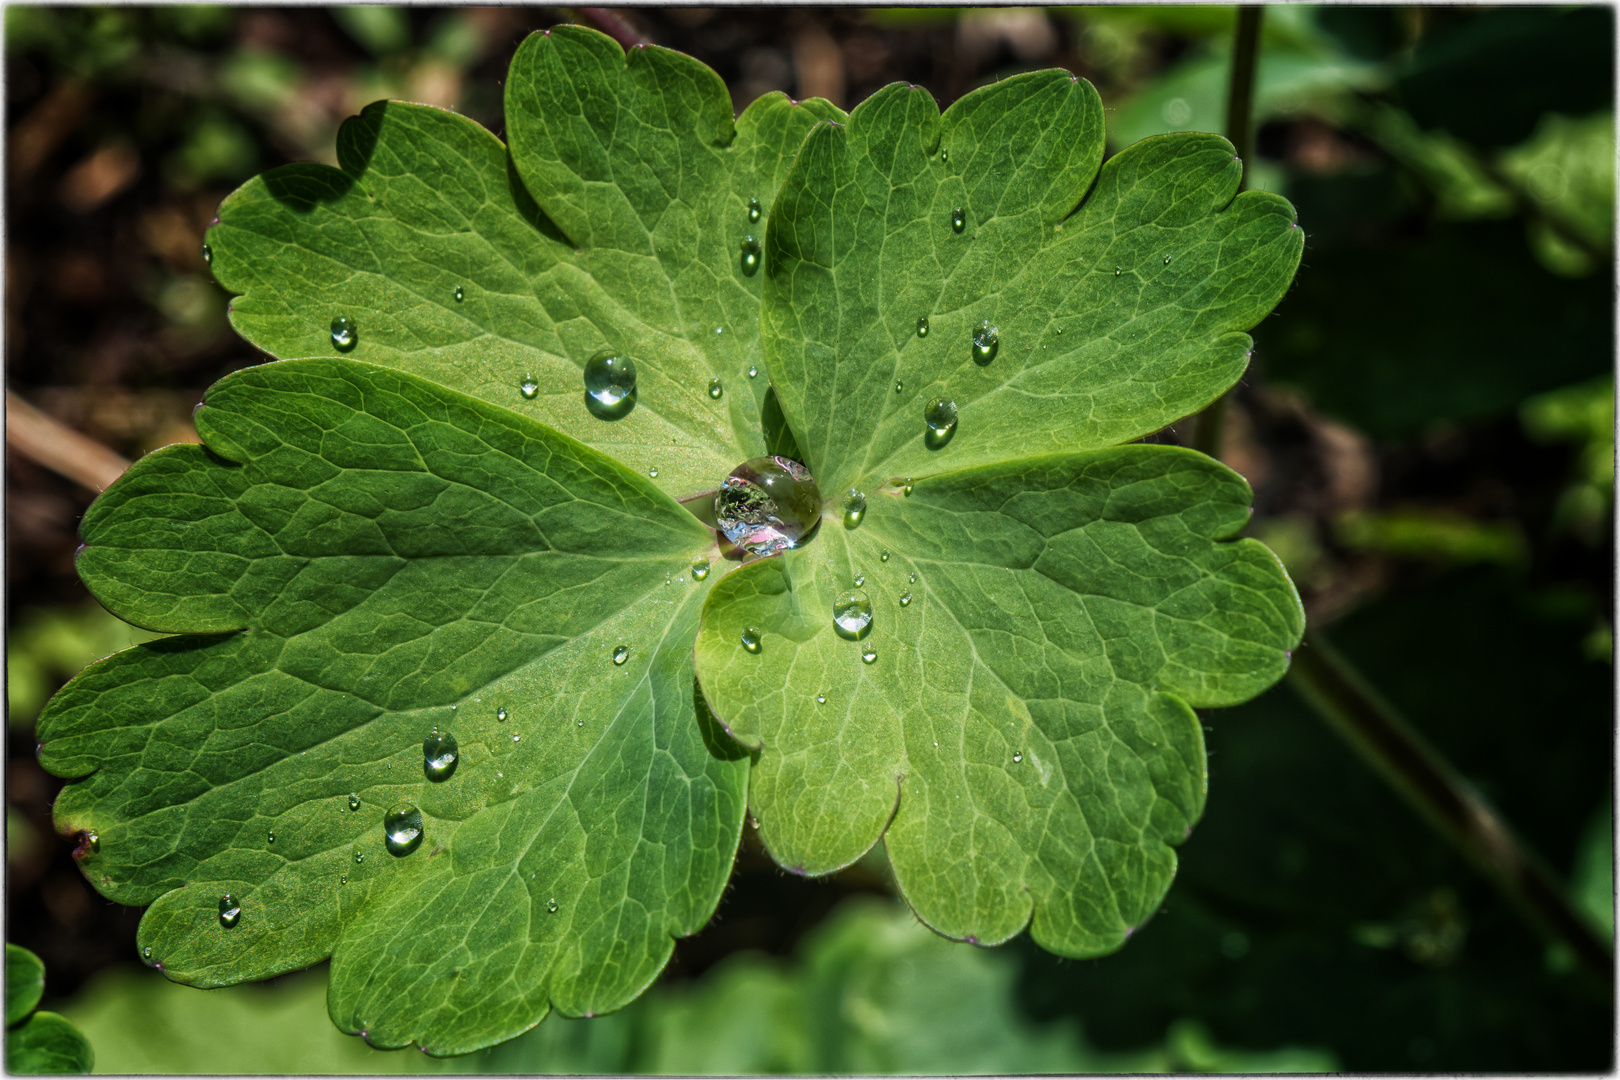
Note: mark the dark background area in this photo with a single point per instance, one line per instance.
(1428, 426)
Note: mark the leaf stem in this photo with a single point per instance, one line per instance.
(1240, 133)
(53, 444)
(1352, 708)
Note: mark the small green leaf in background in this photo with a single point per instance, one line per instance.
(50, 646)
(362, 557)
(38, 1042)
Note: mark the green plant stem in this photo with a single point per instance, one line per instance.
(1353, 709)
(1240, 133)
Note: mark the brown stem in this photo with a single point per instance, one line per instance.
(56, 446)
(1353, 709)
(1240, 133)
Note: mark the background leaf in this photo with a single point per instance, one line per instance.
(373, 553)
(1022, 730)
(647, 264)
(47, 1043)
(25, 982)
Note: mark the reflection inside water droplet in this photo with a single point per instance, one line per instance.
(500, 714)
(754, 210)
(354, 801)
(529, 387)
(753, 372)
(922, 326)
(905, 599)
(1019, 756)
(751, 639)
(610, 385)
(959, 219)
(461, 294)
(767, 505)
(852, 614)
(551, 905)
(700, 568)
(750, 256)
(230, 912)
(439, 755)
(716, 389)
(883, 556)
(621, 653)
(940, 419)
(986, 340)
(869, 655)
(854, 508)
(344, 333)
(402, 830)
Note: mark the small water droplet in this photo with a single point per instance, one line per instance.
(529, 388)
(439, 755)
(869, 655)
(700, 568)
(402, 830)
(754, 210)
(753, 372)
(621, 653)
(905, 489)
(852, 613)
(92, 840)
(1019, 756)
(1060, 331)
(940, 417)
(354, 801)
(1118, 270)
(515, 738)
(959, 219)
(719, 329)
(461, 294)
(147, 952)
(270, 837)
(716, 390)
(821, 699)
(610, 385)
(854, 508)
(344, 333)
(751, 639)
(343, 879)
(750, 256)
(922, 326)
(986, 340)
(912, 578)
(359, 857)
(653, 472)
(898, 386)
(883, 556)
(905, 599)
(208, 254)
(944, 155)
(860, 579)
(500, 714)
(1167, 260)
(767, 504)
(551, 905)
(230, 912)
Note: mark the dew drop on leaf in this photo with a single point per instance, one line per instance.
(986, 340)
(621, 653)
(905, 599)
(959, 219)
(354, 801)
(716, 390)
(750, 639)
(270, 837)
(208, 254)
(940, 418)
(1118, 270)
(402, 830)
(500, 714)
(922, 326)
(230, 912)
(898, 386)
(754, 210)
(147, 952)
(359, 857)
(753, 372)
(821, 699)
(92, 840)
(653, 472)
(343, 879)
(767, 504)
(750, 256)
(854, 508)
(344, 333)
(869, 655)
(439, 755)
(1167, 260)
(610, 385)
(461, 294)
(1019, 756)
(860, 579)
(700, 568)
(529, 388)
(852, 613)
(551, 905)
(883, 556)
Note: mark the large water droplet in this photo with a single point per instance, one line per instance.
(922, 326)
(354, 801)
(905, 599)
(754, 210)
(439, 755)
(230, 912)
(750, 256)
(610, 385)
(461, 294)
(767, 504)
(344, 333)
(700, 568)
(529, 387)
(940, 417)
(717, 390)
(854, 508)
(402, 830)
(750, 639)
(852, 614)
(986, 340)
(621, 653)
(959, 219)
(869, 655)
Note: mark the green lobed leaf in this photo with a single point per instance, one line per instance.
(372, 556)
(1023, 739)
(25, 982)
(614, 222)
(47, 1044)
(1117, 314)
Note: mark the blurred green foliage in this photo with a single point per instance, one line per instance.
(46, 647)
(38, 1042)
